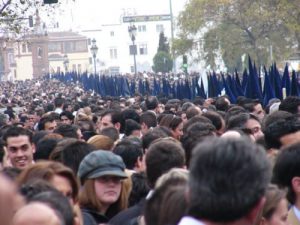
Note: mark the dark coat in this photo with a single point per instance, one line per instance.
(92, 217)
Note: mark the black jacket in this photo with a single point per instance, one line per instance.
(92, 217)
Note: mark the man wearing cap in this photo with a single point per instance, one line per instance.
(101, 174)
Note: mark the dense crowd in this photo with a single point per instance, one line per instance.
(72, 157)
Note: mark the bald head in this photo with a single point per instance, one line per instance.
(43, 215)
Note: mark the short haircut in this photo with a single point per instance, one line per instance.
(228, 178)
(67, 114)
(14, 131)
(191, 112)
(130, 152)
(161, 157)
(170, 121)
(110, 132)
(58, 102)
(239, 121)
(290, 104)
(44, 120)
(149, 118)
(215, 118)
(67, 130)
(194, 120)
(221, 104)
(156, 133)
(287, 167)
(151, 102)
(130, 126)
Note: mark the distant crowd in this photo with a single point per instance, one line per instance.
(71, 157)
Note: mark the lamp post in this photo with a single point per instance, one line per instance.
(66, 62)
(94, 50)
(132, 35)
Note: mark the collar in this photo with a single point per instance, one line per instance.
(297, 212)
(187, 220)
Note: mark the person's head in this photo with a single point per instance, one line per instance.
(219, 189)
(110, 132)
(148, 120)
(275, 210)
(194, 120)
(175, 124)
(20, 148)
(290, 104)
(153, 134)
(111, 118)
(59, 102)
(101, 174)
(217, 121)
(139, 190)
(60, 176)
(167, 203)
(131, 153)
(256, 109)
(286, 172)
(132, 128)
(44, 147)
(281, 128)
(101, 142)
(247, 122)
(66, 117)
(70, 152)
(68, 131)
(193, 111)
(43, 215)
(222, 103)
(47, 123)
(195, 134)
(162, 156)
(151, 103)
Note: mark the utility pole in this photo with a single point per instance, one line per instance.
(172, 36)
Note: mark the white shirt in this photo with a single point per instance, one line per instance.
(297, 212)
(187, 220)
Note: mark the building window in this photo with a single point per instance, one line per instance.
(142, 28)
(159, 28)
(143, 49)
(112, 33)
(74, 67)
(113, 53)
(29, 47)
(132, 50)
(40, 52)
(23, 48)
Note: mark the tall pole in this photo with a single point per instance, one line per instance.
(172, 36)
(95, 69)
(134, 53)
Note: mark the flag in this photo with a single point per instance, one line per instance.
(286, 81)
(268, 92)
(294, 85)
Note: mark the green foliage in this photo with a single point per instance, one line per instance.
(162, 62)
(236, 27)
(163, 44)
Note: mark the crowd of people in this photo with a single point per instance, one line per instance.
(72, 157)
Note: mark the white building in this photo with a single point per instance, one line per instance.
(114, 43)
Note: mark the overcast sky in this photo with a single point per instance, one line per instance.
(91, 14)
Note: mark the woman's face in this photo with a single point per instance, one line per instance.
(108, 189)
(279, 216)
(177, 133)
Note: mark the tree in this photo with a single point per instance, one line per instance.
(162, 61)
(235, 27)
(14, 14)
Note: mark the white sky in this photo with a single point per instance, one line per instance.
(91, 14)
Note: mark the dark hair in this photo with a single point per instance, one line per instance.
(233, 111)
(217, 179)
(161, 157)
(277, 125)
(110, 132)
(140, 188)
(67, 114)
(195, 134)
(221, 104)
(215, 118)
(194, 120)
(130, 126)
(44, 148)
(67, 130)
(192, 112)
(287, 166)
(170, 121)
(239, 121)
(58, 102)
(290, 104)
(14, 131)
(151, 102)
(44, 120)
(149, 118)
(72, 154)
(59, 203)
(129, 152)
(151, 135)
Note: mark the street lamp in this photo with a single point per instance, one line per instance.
(132, 35)
(66, 62)
(94, 50)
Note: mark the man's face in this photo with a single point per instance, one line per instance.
(259, 112)
(106, 122)
(50, 126)
(65, 120)
(255, 128)
(20, 151)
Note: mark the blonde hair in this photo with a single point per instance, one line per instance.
(101, 142)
